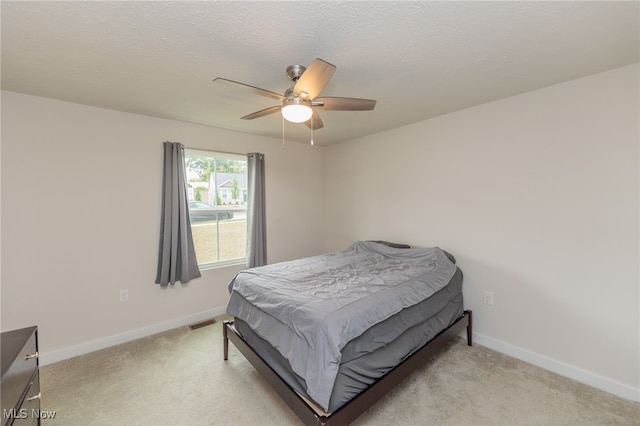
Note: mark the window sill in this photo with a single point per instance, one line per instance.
(224, 264)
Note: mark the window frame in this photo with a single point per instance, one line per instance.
(195, 152)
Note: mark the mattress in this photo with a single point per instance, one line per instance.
(376, 351)
(320, 312)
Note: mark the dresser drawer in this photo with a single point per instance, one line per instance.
(29, 412)
(19, 363)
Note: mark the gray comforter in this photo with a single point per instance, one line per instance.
(310, 308)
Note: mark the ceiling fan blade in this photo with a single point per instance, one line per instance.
(262, 112)
(344, 104)
(316, 120)
(252, 89)
(313, 79)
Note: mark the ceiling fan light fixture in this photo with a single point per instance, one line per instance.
(296, 110)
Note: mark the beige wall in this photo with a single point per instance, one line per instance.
(537, 196)
(64, 258)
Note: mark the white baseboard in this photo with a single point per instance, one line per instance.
(575, 373)
(94, 345)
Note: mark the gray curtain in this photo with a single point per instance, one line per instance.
(256, 217)
(177, 255)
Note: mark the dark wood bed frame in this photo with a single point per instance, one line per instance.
(358, 405)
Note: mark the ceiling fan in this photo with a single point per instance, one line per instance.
(300, 103)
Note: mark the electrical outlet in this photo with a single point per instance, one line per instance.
(487, 298)
(124, 295)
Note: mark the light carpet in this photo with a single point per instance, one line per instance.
(179, 378)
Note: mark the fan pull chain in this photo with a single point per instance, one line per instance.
(312, 130)
(283, 146)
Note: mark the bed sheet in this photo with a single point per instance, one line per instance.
(360, 367)
(309, 309)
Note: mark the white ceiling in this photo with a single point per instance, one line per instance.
(417, 59)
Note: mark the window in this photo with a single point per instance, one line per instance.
(217, 185)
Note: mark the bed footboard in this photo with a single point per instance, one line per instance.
(309, 414)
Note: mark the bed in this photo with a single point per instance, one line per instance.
(333, 333)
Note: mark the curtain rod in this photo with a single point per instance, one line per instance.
(217, 151)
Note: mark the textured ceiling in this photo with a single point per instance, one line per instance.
(417, 59)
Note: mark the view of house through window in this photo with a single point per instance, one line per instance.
(217, 185)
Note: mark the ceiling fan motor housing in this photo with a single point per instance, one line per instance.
(290, 94)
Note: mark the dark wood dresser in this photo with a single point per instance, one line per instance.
(20, 379)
